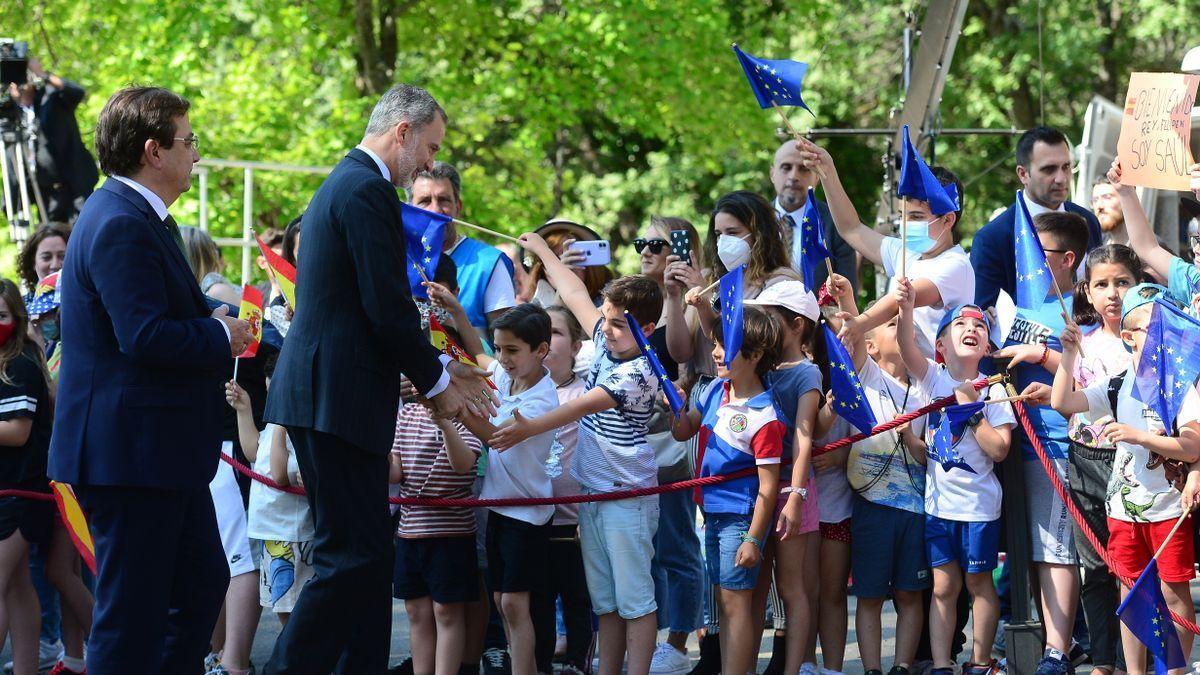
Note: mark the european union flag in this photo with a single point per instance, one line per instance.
(424, 232)
(1169, 366)
(731, 312)
(655, 365)
(1144, 611)
(918, 182)
(813, 251)
(1033, 277)
(774, 81)
(949, 425)
(848, 398)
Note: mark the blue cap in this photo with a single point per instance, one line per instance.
(1139, 295)
(971, 311)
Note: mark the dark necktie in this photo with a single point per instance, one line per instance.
(173, 228)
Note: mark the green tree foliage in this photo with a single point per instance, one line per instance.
(605, 112)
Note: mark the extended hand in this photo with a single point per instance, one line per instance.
(533, 242)
(1037, 393)
(236, 397)
(514, 432)
(468, 392)
(1021, 354)
(239, 330)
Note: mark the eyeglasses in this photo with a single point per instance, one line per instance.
(192, 142)
(655, 245)
(1194, 240)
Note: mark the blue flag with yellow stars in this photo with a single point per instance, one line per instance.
(918, 182)
(1144, 611)
(424, 232)
(949, 425)
(848, 399)
(731, 313)
(1169, 366)
(655, 365)
(1033, 277)
(774, 81)
(813, 251)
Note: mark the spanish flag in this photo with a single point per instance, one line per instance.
(442, 340)
(282, 271)
(75, 522)
(251, 311)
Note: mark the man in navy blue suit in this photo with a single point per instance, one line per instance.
(137, 428)
(1044, 169)
(337, 386)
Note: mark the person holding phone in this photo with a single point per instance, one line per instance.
(560, 235)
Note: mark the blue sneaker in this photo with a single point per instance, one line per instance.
(1053, 665)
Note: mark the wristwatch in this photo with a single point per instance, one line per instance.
(974, 420)
(803, 492)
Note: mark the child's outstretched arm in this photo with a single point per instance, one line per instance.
(1141, 235)
(571, 290)
(470, 338)
(239, 400)
(914, 359)
(688, 422)
(520, 428)
(1184, 447)
(461, 456)
(862, 238)
(1063, 397)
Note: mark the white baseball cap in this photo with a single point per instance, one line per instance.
(791, 294)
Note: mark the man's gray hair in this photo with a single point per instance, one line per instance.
(401, 103)
(446, 172)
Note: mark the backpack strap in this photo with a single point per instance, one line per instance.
(1114, 389)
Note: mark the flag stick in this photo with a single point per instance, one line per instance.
(1171, 534)
(829, 268)
(494, 233)
(710, 287)
(422, 273)
(795, 134)
(236, 361)
(903, 234)
(1007, 399)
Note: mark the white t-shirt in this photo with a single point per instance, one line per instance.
(950, 272)
(879, 468)
(276, 515)
(969, 493)
(520, 471)
(835, 499)
(1136, 493)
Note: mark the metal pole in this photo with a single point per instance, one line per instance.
(247, 220)
(880, 131)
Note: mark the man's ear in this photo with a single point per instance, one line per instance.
(150, 153)
(402, 131)
(1022, 174)
(648, 329)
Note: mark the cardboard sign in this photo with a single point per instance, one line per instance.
(1156, 130)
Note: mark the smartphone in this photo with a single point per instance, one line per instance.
(681, 245)
(595, 253)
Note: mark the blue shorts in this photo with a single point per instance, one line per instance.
(722, 538)
(974, 546)
(887, 550)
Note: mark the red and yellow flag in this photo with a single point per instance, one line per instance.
(282, 271)
(251, 312)
(75, 522)
(442, 340)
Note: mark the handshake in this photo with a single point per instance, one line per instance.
(239, 330)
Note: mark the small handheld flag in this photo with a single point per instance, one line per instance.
(251, 311)
(1034, 280)
(918, 182)
(1169, 367)
(813, 252)
(731, 312)
(655, 365)
(443, 342)
(424, 233)
(775, 82)
(1144, 611)
(75, 522)
(282, 271)
(848, 399)
(949, 425)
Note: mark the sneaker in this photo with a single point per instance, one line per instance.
(570, 669)
(1078, 655)
(941, 671)
(48, 655)
(496, 662)
(669, 661)
(898, 670)
(989, 668)
(710, 656)
(809, 669)
(874, 671)
(404, 668)
(778, 656)
(1053, 664)
(61, 669)
(211, 661)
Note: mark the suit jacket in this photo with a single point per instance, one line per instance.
(994, 258)
(140, 396)
(73, 164)
(843, 256)
(356, 328)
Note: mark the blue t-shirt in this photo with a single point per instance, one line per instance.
(1041, 326)
(1183, 281)
(787, 386)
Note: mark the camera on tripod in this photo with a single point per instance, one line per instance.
(14, 65)
(17, 142)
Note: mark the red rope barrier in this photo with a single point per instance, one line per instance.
(28, 494)
(1073, 508)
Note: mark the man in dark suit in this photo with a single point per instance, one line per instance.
(137, 427)
(1044, 169)
(337, 385)
(792, 179)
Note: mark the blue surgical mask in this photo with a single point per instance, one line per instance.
(916, 237)
(49, 329)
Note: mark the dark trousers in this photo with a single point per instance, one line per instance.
(342, 622)
(161, 579)
(568, 582)
(1088, 472)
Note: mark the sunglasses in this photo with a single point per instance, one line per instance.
(655, 245)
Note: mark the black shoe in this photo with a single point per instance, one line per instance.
(710, 656)
(496, 662)
(404, 668)
(874, 671)
(778, 656)
(898, 670)
(1078, 656)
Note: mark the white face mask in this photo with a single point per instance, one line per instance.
(733, 251)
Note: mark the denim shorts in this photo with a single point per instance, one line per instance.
(617, 541)
(722, 538)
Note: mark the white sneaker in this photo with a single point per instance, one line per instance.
(669, 661)
(809, 669)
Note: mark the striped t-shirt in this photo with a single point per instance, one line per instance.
(612, 452)
(427, 473)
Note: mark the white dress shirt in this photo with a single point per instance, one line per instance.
(1036, 209)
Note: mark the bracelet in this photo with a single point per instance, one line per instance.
(1045, 355)
(746, 536)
